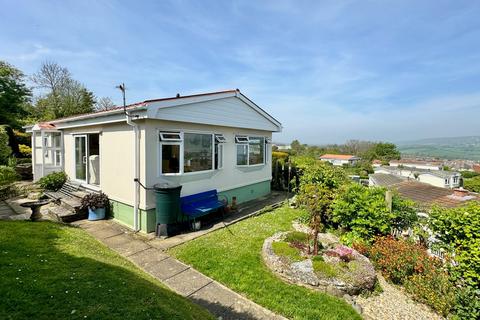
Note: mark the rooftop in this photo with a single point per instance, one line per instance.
(427, 195)
(418, 162)
(385, 180)
(437, 173)
(339, 157)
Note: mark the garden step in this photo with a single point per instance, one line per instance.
(65, 213)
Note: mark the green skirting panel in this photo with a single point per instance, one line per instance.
(124, 213)
(247, 193)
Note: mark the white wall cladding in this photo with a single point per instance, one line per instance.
(227, 112)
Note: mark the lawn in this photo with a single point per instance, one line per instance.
(233, 257)
(53, 271)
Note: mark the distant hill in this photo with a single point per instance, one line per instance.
(447, 148)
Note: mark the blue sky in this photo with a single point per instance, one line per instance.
(328, 70)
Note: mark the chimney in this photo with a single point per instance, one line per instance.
(460, 192)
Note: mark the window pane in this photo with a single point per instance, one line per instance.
(58, 158)
(257, 147)
(198, 149)
(242, 154)
(170, 158)
(218, 156)
(56, 139)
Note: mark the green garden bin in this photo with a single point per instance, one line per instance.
(168, 203)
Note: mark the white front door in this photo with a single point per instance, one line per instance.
(81, 158)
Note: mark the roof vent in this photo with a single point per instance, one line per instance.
(178, 95)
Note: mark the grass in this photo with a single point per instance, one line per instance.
(53, 271)
(296, 236)
(233, 257)
(283, 249)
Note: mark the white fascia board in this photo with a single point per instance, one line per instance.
(91, 120)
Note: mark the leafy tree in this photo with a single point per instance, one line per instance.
(5, 150)
(297, 147)
(383, 151)
(316, 191)
(472, 184)
(104, 103)
(14, 95)
(65, 96)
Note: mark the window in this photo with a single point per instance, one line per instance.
(241, 139)
(198, 152)
(447, 181)
(455, 179)
(242, 154)
(52, 146)
(218, 156)
(250, 150)
(256, 151)
(170, 136)
(170, 158)
(219, 138)
(219, 141)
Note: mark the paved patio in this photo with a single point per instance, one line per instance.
(181, 278)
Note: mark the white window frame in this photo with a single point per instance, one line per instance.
(181, 143)
(47, 138)
(243, 138)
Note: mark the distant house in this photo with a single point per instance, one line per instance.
(438, 178)
(340, 159)
(417, 164)
(423, 194)
(283, 147)
(476, 168)
(377, 163)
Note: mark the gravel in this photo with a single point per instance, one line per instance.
(393, 304)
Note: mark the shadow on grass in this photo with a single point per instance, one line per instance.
(52, 271)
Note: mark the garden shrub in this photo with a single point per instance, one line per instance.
(472, 184)
(458, 229)
(284, 249)
(53, 181)
(400, 259)
(467, 304)
(363, 211)
(433, 288)
(296, 236)
(5, 150)
(25, 150)
(7, 175)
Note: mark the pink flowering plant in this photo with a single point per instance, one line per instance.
(344, 253)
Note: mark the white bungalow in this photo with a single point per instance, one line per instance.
(219, 140)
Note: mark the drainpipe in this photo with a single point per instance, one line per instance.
(136, 170)
(136, 152)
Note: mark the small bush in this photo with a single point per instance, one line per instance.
(283, 249)
(472, 184)
(53, 181)
(400, 259)
(467, 304)
(8, 191)
(7, 175)
(296, 236)
(434, 289)
(95, 200)
(25, 150)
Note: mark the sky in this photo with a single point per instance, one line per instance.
(329, 71)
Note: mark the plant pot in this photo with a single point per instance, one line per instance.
(97, 214)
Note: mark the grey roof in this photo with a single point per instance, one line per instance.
(385, 180)
(437, 173)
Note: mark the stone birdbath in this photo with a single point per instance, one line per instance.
(35, 207)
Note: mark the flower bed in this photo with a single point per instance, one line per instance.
(337, 269)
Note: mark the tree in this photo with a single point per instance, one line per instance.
(383, 151)
(65, 96)
(104, 103)
(14, 95)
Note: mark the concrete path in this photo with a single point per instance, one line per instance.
(5, 211)
(181, 278)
